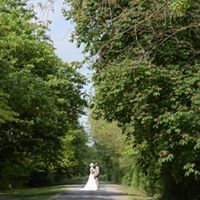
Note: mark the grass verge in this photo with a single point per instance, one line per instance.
(136, 194)
(33, 193)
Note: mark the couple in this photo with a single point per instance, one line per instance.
(93, 180)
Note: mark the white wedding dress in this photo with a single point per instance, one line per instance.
(91, 184)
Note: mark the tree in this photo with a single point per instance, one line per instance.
(41, 102)
(109, 143)
(146, 77)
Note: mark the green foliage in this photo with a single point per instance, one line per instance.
(146, 77)
(115, 30)
(41, 102)
(179, 7)
(108, 142)
(6, 114)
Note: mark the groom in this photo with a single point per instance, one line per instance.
(96, 174)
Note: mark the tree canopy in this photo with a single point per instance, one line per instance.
(41, 100)
(146, 76)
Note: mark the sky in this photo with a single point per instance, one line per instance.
(60, 31)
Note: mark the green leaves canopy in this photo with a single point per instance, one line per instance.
(41, 100)
(146, 76)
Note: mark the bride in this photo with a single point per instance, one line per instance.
(91, 183)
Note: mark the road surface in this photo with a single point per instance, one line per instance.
(105, 192)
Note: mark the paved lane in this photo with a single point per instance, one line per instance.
(105, 192)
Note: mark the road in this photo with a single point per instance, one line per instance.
(105, 192)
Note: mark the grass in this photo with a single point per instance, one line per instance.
(33, 193)
(136, 194)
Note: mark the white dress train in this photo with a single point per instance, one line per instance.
(91, 184)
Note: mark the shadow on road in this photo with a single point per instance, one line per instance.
(94, 193)
(105, 192)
